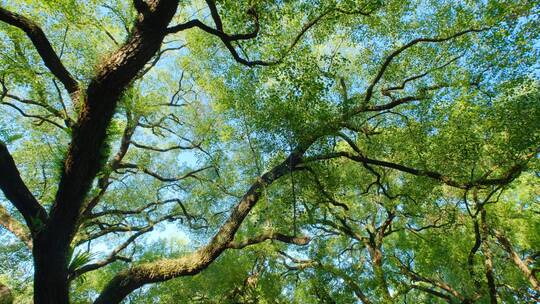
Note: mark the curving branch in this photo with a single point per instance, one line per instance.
(417, 277)
(43, 47)
(225, 38)
(50, 109)
(419, 76)
(386, 63)
(105, 228)
(40, 119)
(433, 292)
(159, 176)
(350, 281)
(167, 149)
(300, 241)
(228, 39)
(488, 258)
(112, 257)
(162, 270)
(505, 178)
(82, 161)
(324, 192)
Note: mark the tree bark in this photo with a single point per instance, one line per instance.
(5, 295)
(488, 260)
(84, 158)
(131, 279)
(521, 265)
(15, 227)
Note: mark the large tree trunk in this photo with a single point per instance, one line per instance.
(50, 270)
(83, 159)
(376, 256)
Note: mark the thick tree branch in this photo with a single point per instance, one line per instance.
(43, 47)
(84, 157)
(18, 194)
(167, 149)
(127, 281)
(15, 227)
(516, 259)
(300, 241)
(434, 282)
(228, 39)
(488, 258)
(506, 177)
(472, 253)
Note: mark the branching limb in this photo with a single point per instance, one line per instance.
(386, 63)
(350, 281)
(127, 281)
(488, 257)
(228, 39)
(117, 212)
(325, 193)
(434, 282)
(113, 76)
(105, 228)
(40, 119)
(112, 257)
(225, 38)
(43, 46)
(103, 181)
(419, 76)
(160, 177)
(433, 292)
(506, 177)
(51, 110)
(470, 258)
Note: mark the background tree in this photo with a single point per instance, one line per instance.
(306, 151)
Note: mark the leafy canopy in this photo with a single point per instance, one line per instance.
(275, 152)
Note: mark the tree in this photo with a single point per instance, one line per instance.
(387, 150)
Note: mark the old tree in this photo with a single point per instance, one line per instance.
(330, 151)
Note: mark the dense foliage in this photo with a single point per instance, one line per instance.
(329, 151)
